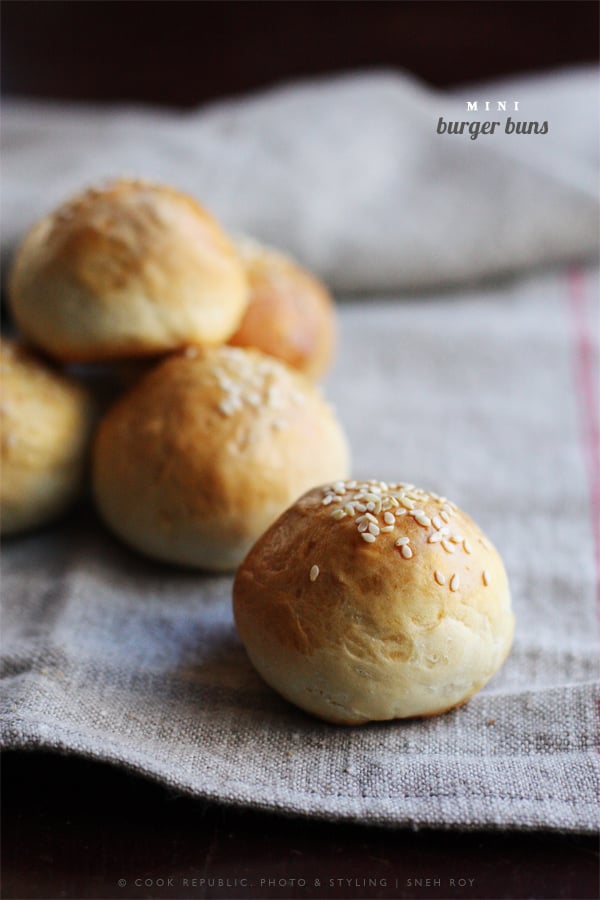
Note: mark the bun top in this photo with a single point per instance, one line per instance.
(128, 269)
(372, 600)
(290, 312)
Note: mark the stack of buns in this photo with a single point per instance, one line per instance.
(218, 434)
(356, 601)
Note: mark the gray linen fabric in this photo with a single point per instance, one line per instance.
(348, 174)
(484, 395)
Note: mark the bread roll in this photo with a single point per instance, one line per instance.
(45, 420)
(202, 455)
(371, 601)
(130, 269)
(290, 313)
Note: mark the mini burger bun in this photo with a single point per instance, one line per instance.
(290, 312)
(128, 269)
(369, 601)
(45, 420)
(197, 460)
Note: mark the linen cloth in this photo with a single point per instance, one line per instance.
(485, 394)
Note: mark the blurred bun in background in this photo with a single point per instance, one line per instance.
(45, 423)
(290, 312)
(128, 269)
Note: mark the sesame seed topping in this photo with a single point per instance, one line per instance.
(485, 575)
(454, 582)
(376, 505)
(439, 577)
(314, 573)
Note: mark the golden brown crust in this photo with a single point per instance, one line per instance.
(45, 420)
(130, 269)
(290, 313)
(385, 630)
(213, 444)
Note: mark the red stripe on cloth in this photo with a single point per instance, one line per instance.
(588, 397)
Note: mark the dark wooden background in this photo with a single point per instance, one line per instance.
(183, 52)
(71, 828)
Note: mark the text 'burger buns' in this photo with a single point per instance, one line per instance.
(290, 313)
(371, 601)
(129, 269)
(204, 453)
(45, 420)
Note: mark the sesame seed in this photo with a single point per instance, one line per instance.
(314, 573)
(485, 575)
(394, 502)
(339, 487)
(402, 541)
(369, 538)
(388, 518)
(327, 500)
(456, 538)
(370, 517)
(437, 522)
(349, 509)
(406, 503)
(370, 506)
(360, 507)
(423, 520)
(439, 577)
(400, 512)
(444, 515)
(363, 526)
(454, 582)
(373, 528)
(467, 546)
(448, 547)
(435, 538)
(406, 551)
(338, 514)
(387, 528)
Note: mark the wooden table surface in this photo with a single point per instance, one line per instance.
(77, 829)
